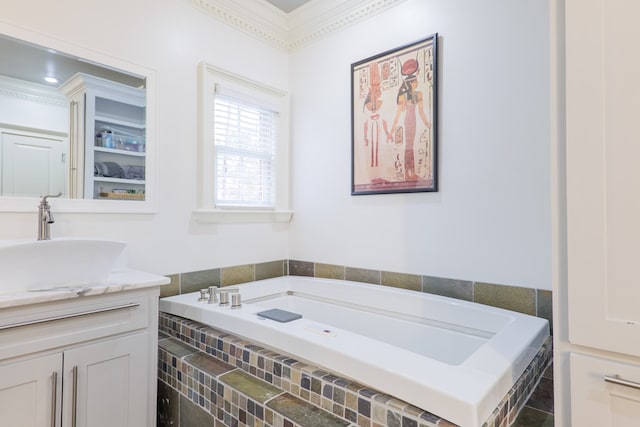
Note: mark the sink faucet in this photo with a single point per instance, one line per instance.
(45, 218)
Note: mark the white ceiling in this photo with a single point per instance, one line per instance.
(287, 5)
(25, 61)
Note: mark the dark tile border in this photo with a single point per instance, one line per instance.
(535, 302)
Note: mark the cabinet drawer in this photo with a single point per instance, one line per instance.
(604, 392)
(49, 326)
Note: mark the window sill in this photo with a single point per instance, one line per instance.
(226, 216)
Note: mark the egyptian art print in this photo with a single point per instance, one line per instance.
(393, 109)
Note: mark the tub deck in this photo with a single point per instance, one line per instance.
(453, 358)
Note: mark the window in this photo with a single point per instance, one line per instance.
(245, 157)
(243, 150)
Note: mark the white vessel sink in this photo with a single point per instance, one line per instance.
(36, 265)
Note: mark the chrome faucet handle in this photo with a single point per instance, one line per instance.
(47, 216)
(44, 198)
(224, 294)
(204, 295)
(236, 301)
(213, 294)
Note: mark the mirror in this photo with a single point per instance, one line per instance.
(71, 122)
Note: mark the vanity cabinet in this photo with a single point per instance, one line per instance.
(90, 362)
(28, 389)
(108, 379)
(108, 130)
(603, 208)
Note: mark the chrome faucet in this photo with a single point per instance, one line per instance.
(45, 218)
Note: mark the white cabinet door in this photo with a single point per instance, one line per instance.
(603, 173)
(108, 383)
(604, 403)
(29, 390)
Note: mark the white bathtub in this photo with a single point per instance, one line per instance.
(453, 358)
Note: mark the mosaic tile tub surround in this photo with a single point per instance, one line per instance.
(235, 382)
(526, 300)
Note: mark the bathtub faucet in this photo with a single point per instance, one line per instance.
(212, 293)
(235, 298)
(45, 218)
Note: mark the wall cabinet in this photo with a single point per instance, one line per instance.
(603, 208)
(81, 364)
(108, 128)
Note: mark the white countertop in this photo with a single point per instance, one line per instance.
(123, 280)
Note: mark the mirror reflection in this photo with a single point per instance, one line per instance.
(69, 125)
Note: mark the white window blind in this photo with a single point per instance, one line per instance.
(245, 153)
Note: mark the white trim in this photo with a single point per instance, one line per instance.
(225, 216)
(30, 205)
(320, 18)
(209, 77)
(149, 205)
(302, 26)
(255, 17)
(33, 92)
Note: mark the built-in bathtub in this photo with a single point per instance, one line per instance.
(453, 358)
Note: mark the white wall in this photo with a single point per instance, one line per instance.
(170, 37)
(490, 221)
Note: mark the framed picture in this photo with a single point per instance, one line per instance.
(393, 120)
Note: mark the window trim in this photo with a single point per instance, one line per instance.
(209, 77)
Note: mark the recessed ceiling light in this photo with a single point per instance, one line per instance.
(51, 80)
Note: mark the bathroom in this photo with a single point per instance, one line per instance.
(490, 232)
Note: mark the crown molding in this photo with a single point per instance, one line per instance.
(320, 18)
(304, 25)
(255, 17)
(32, 92)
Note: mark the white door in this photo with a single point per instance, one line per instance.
(603, 173)
(107, 383)
(29, 391)
(31, 164)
